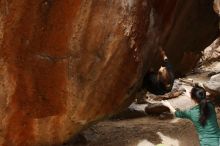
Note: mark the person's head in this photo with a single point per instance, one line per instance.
(198, 94)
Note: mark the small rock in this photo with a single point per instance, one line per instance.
(166, 115)
(156, 108)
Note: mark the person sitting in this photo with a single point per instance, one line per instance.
(160, 82)
(202, 115)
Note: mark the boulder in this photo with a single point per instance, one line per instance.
(210, 60)
(213, 85)
(67, 63)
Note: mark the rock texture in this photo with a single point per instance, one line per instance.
(65, 64)
(213, 85)
(216, 6)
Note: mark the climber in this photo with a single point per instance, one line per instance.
(160, 82)
(202, 115)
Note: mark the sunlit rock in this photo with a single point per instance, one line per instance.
(65, 64)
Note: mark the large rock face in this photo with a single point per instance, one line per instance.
(67, 63)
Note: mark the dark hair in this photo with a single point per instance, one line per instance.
(199, 95)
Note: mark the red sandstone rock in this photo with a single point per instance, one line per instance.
(67, 63)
